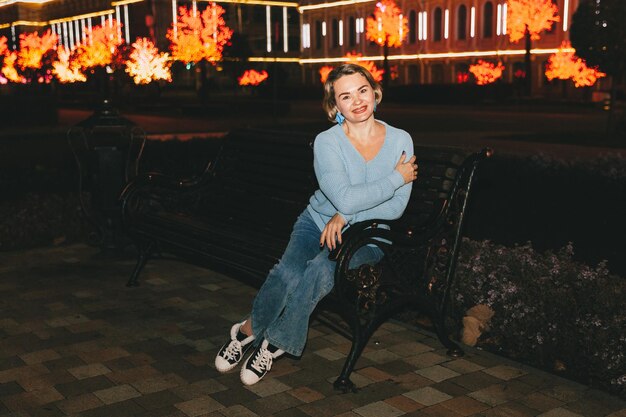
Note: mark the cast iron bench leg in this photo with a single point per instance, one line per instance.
(453, 349)
(343, 383)
(142, 258)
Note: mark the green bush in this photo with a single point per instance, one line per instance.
(550, 311)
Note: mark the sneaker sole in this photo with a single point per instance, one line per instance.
(229, 367)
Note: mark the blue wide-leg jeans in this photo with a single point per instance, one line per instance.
(294, 286)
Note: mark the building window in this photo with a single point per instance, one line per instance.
(437, 25)
(335, 34)
(436, 74)
(422, 21)
(462, 22)
(318, 34)
(414, 74)
(488, 20)
(352, 31)
(306, 36)
(412, 26)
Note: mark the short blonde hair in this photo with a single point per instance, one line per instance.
(329, 103)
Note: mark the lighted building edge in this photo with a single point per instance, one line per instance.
(444, 38)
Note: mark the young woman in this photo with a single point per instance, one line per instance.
(364, 168)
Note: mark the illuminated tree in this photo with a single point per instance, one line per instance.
(566, 65)
(353, 58)
(377, 74)
(526, 19)
(33, 47)
(65, 69)
(100, 45)
(387, 28)
(486, 72)
(147, 64)
(252, 77)
(3, 45)
(324, 71)
(199, 36)
(3, 49)
(9, 70)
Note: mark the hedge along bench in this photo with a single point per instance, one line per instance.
(237, 217)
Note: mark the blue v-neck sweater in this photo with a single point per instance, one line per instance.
(359, 189)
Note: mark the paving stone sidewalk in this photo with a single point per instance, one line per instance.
(74, 341)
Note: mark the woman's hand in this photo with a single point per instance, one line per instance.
(408, 169)
(332, 232)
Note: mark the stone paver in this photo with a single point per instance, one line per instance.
(437, 373)
(428, 396)
(74, 341)
(378, 409)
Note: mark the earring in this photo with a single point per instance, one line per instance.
(339, 118)
(375, 106)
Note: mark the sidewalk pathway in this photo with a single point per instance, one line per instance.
(74, 341)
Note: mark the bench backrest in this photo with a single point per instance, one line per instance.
(263, 177)
(435, 215)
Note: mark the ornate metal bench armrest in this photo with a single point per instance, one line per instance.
(353, 231)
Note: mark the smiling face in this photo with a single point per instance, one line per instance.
(354, 97)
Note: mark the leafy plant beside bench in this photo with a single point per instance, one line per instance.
(550, 311)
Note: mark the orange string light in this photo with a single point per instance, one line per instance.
(199, 36)
(353, 58)
(147, 64)
(388, 25)
(100, 45)
(486, 72)
(33, 47)
(65, 69)
(564, 65)
(252, 77)
(536, 15)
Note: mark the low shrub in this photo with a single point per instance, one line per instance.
(550, 311)
(40, 219)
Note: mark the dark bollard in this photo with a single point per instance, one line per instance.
(107, 148)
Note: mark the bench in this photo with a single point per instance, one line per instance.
(237, 216)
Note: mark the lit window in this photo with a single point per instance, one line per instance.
(499, 21)
(268, 28)
(340, 32)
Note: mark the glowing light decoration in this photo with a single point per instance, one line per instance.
(533, 16)
(65, 69)
(3, 45)
(355, 58)
(486, 72)
(33, 47)
(252, 77)
(8, 68)
(100, 46)
(564, 65)
(147, 64)
(388, 26)
(324, 71)
(203, 36)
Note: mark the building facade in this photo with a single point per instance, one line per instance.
(444, 36)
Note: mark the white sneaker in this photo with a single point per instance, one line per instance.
(232, 351)
(259, 363)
